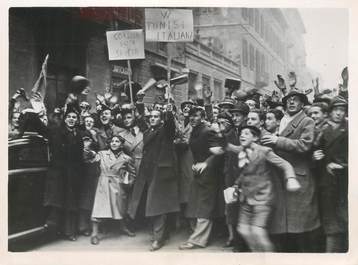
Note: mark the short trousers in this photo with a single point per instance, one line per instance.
(254, 215)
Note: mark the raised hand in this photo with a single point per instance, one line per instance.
(280, 84)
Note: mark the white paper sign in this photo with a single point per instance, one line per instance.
(125, 44)
(169, 25)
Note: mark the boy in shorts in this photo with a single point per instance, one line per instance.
(255, 189)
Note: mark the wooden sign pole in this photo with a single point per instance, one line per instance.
(130, 80)
(169, 60)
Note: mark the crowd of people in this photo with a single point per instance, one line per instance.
(274, 169)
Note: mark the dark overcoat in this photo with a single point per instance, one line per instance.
(231, 172)
(63, 183)
(300, 212)
(206, 195)
(334, 188)
(157, 172)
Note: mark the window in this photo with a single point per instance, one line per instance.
(266, 33)
(218, 90)
(252, 57)
(244, 13)
(263, 63)
(251, 16)
(258, 66)
(244, 53)
(257, 21)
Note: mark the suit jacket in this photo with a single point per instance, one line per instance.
(255, 178)
(301, 207)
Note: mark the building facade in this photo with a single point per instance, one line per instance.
(269, 41)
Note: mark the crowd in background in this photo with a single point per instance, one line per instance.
(274, 168)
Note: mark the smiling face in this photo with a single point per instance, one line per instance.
(195, 119)
(105, 117)
(71, 119)
(154, 118)
(294, 104)
(238, 118)
(89, 122)
(316, 114)
(247, 137)
(115, 143)
(15, 119)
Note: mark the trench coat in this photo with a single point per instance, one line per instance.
(334, 188)
(206, 198)
(299, 209)
(64, 177)
(157, 172)
(111, 199)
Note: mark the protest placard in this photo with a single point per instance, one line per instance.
(125, 44)
(169, 25)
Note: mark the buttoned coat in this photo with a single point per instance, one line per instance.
(64, 177)
(157, 172)
(300, 208)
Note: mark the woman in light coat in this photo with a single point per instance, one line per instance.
(111, 199)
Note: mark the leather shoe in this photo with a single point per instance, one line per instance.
(155, 245)
(94, 240)
(187, 245)
(86, 233)
(127, 232)
(71, 238)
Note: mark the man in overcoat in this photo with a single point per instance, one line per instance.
(157, 182)
(333, 157)
(300, 218)
(205, 189)
(63, 183)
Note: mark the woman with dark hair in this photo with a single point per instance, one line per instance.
(111, 198)
(65, 175)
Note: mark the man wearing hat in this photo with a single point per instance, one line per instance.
(226, 104)
(333, 158)
(300, 218)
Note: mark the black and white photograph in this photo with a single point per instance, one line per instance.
(178, 129)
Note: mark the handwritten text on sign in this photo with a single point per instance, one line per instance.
(125, 44)
(169, 25)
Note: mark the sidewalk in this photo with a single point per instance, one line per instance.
(114, 241)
